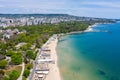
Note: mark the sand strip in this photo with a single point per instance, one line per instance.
(54, 73)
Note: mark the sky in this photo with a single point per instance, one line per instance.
(87, 8)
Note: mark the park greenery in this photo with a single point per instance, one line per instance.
(3, 64)
(16, 58)
(35, 34)
(30, 54)
(26, 73)
(27, 70)
(14, 75)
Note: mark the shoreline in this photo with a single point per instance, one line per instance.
(100, 68)
(89, 29)
(86, 30)
(54, 72)
(54, 68)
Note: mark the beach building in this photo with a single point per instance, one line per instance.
(41, 71)
(45, 61)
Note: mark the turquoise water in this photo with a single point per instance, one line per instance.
(91, 55)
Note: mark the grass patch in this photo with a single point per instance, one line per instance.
(17, 68)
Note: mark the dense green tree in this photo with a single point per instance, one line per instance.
(16, 59)
(25, 47)
(30, 54)
(14, 75)
(3, 46)
(3, 64)
(10, 53)
(29, 66)
(26, 73)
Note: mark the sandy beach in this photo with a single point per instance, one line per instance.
(54, 73)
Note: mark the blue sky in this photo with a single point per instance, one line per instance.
(92, 8)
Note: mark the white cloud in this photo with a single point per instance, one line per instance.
(41, 4)
(104, 4)
(78, 7)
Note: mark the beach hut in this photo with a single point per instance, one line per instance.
(42, 71)
(45, 61)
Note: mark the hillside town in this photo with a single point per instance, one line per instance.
(14, 20)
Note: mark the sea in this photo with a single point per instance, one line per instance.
(91, 55)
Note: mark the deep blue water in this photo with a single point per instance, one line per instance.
(96, 54)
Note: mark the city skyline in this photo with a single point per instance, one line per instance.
(88, 8)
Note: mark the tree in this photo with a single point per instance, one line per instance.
(30, 54)
(26, 73)
(16, 59)
(24, 47)
(14, 75)
(10, 53)
(29, 66)
(3, 46)
(3, 64)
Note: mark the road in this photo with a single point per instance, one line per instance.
(35, 64)
(23, 67)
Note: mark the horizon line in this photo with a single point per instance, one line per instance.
(53, 14)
